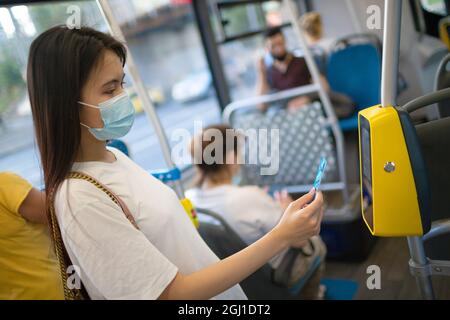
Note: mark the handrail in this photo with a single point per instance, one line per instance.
(438, 228)
(147, 104)
(292, 10)
(273, 97)
(427, 100)
(391, 52)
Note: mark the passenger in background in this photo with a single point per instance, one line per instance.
(249, 210)
(28, 267)
(281, 70)
(312, 25)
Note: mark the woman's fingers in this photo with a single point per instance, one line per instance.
(317, 220)
(314, 213)
(313, 206)
(303, 217)
(304, 200)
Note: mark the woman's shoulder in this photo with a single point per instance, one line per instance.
(74, 194)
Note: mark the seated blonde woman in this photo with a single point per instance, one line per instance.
(249, 210)
(313, 28)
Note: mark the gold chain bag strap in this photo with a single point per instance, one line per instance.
(61, 253)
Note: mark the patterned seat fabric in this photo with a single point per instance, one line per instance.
(303, 140)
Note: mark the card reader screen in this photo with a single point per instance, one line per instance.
(366, 162)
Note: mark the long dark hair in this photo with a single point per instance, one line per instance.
(59, 64)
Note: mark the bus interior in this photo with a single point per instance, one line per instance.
(194, 63)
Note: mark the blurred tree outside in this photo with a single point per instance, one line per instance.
(14, 49)
(12, 84)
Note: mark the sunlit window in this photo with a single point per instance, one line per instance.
(7, 23)
(23, 18)
(164, 40)
(435, 6)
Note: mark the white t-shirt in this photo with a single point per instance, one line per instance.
(116, 260)
(249, 210)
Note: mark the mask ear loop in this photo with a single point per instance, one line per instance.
(90, 106)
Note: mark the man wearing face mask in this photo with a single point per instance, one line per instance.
(280, 70)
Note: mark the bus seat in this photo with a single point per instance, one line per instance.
(358, 38)
(435, 144)
(430, 68)
(442, 81)
(356, 72)
(224, 242)
(303, 140)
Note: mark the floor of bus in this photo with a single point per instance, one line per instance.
(390, 254)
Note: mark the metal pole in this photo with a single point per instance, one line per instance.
(147, 103)
(323, 95)
(203, 19)
(419, 259)
(391, 52)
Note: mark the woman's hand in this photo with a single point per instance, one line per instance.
(299, 223)
(283, 199)
(302, 219)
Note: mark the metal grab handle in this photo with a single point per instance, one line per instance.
(147, 104)
(427, 100)
(438, 228)
(273, 97)
(442, 69)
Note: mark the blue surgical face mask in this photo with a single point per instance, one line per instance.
(117, 115)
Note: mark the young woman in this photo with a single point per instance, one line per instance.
(249, 210)
(75, 80)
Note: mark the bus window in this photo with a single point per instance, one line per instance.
(165, 43)
(238, 31)
(19, 25)
(166, 46)
(435, 6)
(239, 19)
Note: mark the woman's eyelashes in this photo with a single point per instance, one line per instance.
(112, 91)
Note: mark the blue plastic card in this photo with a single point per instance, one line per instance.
(320, 172)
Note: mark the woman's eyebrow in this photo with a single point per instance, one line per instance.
(114, 81)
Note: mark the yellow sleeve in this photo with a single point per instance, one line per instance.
(13, 191)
